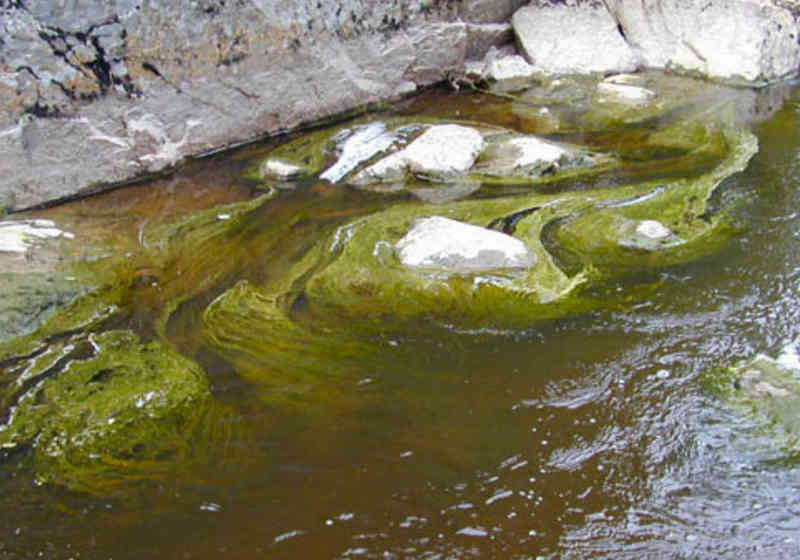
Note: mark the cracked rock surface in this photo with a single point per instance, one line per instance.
(94, 93)
(746, 42)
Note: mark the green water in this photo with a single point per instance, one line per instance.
(588, 435)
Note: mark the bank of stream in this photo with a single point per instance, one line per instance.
(282, 384)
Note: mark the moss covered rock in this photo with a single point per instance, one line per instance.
(767, 390)
(104, 406)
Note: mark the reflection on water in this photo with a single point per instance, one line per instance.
(585, 437)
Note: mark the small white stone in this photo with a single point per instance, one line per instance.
(533, 150)
(508, 68)
(653, 229)
(280, 169)
(445, 244)
(623, 92)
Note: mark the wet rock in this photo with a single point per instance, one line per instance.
(441, 151)
(358, 146)
(449, 245)
(281, 170)
(765, 388)
(18, 236)
(33, 282)
(104, 407)
(622, 92)
(572, 39)
(516, 158)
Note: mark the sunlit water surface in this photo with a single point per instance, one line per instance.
(588, 437)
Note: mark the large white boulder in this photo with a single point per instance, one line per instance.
(444, 244)
(572, 39)
(737, 41)
(731, 40)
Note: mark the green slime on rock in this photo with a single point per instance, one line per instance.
(123, 410)
(766, 390)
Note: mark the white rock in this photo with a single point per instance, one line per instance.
(624, 92)
(653, 229)
(445, 244)
(281, 169)
(508, 68)
(441, 150)
(626, 80)
(534, 151)
(364, 143)
(735, 40)
(444, 149)
(581, 39)
(17, 237)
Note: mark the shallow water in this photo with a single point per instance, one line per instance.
(584, 437)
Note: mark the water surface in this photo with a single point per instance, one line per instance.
(584, 437)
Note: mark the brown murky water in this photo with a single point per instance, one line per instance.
(587, 437)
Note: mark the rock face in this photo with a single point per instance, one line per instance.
(95, 93)
(453, 246)
(739, 41)
(567, 39)
(746, 41)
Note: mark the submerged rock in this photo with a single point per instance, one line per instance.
(33, 282)
(115, 407)
(764, 387)
(18, 236)
(625, 93)
(451, 246)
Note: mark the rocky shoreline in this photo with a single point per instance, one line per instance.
(96, 95)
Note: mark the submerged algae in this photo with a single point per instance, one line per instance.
(766, 389)
(108, 406)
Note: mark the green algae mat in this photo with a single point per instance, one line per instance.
(303, 285)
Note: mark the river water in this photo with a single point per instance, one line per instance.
(585, 437)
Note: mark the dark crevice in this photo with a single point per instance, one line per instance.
(508, 224)
(152, 69)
